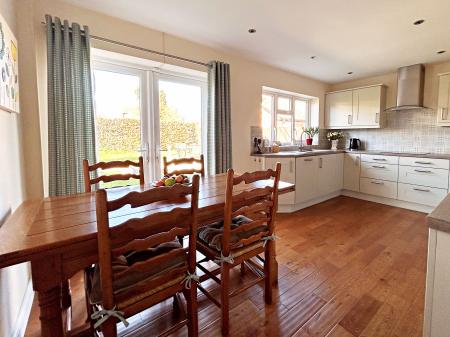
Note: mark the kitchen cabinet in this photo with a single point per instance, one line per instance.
(443, 116)
(330, 174)
(352, 168)
(287, 174)
(356, 108)
(306, 179)
(256, 163)
(338, 109)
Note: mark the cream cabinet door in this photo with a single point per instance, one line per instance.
(329, 174)
(287, 175)
(352, 168)
(338, 109)
(443, 114)
(306, 179)
(367, 106)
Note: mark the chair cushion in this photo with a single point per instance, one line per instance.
(212, 234)
(134, 277)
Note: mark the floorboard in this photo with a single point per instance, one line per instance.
(348, 267)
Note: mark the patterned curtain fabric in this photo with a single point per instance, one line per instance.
(219, 118)
(71, 129)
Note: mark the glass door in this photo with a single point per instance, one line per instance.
(179, 118)
(120, 100)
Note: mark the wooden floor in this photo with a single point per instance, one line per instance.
(348, 267)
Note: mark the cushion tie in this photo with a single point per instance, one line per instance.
(188, 280)
(228, 259)
(102, 315)
(269, 238)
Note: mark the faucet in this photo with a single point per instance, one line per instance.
(300, 148)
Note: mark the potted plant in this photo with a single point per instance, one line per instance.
(334, 137)
(311, 132)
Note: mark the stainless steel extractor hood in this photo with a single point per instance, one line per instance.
(410, 83)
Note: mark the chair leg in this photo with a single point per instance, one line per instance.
(109, 328)
(225, 299)
(268, 266)
(192, 310)
(242, 268)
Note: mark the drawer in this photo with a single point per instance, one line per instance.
(425, 162)
(371, 158)
(429, 196)
(387, 189)
(379, 171)
(423, 176)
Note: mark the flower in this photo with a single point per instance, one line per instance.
(311, 132)
(334, 135)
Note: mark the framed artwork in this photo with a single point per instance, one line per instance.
(9, 72)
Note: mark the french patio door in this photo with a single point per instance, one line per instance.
(148, 113)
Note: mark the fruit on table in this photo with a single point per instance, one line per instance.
(179, 179)
(170, 182)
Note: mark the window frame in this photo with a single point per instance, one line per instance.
(275, 111)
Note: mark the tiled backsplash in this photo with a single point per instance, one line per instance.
(405, 131)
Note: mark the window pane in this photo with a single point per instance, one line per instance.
(284, 128)
(118, 120)
(300, 111)
(314, 112)
(267, 110)
(284, 103)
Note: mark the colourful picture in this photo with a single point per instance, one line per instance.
(9, 75)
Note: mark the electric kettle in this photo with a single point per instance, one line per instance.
(355, 144)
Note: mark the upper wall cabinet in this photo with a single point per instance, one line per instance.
(357, 108)
(443, 116)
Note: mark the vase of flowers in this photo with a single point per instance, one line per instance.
(334, 137)
(310, 132)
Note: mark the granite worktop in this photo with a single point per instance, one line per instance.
(318, 152)
(439, 218)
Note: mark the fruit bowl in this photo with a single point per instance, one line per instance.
(170, 180)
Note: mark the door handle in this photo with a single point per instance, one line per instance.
(320, 162)
(378, 166)
(377, 182)
(420, 189)
(307, 159)
(349, 119)
(423, 162)
(377, 117)
(291, 166)
(379, 159)
(423, 171)
(444, 116)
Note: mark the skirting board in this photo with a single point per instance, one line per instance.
(387, 201)
(392, 202)
(24, 313)
(297, 207)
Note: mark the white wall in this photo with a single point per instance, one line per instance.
(13, 280)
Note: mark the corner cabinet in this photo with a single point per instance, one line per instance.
(357, 108)
(443, 116)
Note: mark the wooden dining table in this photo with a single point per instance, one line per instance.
(58, 235)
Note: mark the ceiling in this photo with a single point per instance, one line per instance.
(366, 37)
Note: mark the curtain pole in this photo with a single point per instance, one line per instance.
(104, 39)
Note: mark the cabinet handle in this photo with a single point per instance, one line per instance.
(378, 166)
(349, 119)
(423, 171)
(420, 189)
(423, 162)
(308, 159)
(379, 159)
(320, 162)
(444, 116)
(377, 117)
(291, 167)
(377, 182)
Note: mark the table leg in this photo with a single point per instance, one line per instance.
(51, 312)
(274, 269)
(66, 304)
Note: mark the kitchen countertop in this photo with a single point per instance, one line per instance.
(439, 218)
(294, 154)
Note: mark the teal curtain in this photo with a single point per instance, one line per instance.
(71, 128)
(219, 118)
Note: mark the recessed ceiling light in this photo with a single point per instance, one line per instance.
(312, 57)
(441, 52)
(252, 30)
(350, 72)
(419, 22)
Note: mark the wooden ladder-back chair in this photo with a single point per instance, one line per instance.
(113, 177)
(190, 162)
(246, 232)
(140, 262)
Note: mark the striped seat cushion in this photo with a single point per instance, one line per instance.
(132, 278)
(211, 234)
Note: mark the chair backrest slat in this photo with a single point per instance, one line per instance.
(191, 162)
(261, 201)
(88, 182)
(138, 235)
